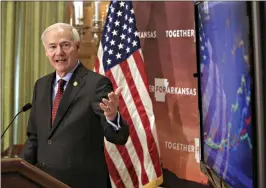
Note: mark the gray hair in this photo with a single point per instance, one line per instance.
(75, 33)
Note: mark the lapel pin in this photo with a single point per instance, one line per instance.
(75, 83)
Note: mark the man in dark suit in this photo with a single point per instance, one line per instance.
(73, 109)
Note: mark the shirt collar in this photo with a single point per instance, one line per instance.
(67, 76)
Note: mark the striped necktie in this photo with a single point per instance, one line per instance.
(58, 97)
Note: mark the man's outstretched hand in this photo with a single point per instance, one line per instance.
(110, 106)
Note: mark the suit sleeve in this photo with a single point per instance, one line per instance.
(116, 136)
(29, 152)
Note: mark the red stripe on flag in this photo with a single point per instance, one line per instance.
(122, 149)
(113, 171)
(133, 135)
(141, 67)
(144, 118)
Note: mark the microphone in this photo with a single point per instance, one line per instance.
(23, 109)
(26, 107)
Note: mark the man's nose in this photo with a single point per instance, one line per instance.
(59, 50)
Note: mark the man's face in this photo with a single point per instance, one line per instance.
(61, 50)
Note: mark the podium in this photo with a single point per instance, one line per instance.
(17, 173)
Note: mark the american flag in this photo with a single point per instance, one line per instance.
(213, 99)
(208, 75)
(120, 59)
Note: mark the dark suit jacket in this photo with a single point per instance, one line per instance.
(72, 150)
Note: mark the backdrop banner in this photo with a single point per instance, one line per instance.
(166, 30)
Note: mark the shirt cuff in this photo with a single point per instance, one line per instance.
(113, 123)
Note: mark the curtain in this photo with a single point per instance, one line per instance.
(23, 59)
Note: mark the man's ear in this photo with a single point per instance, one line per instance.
(78, 45)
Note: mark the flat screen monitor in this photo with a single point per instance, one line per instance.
(225, 90)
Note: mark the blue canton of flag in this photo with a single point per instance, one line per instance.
(120, 38)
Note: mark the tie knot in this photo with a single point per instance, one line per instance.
(61, 83)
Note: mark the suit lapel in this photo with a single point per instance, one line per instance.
(47, 100)
(74, 86)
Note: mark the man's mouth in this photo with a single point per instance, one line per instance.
(60, 60)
